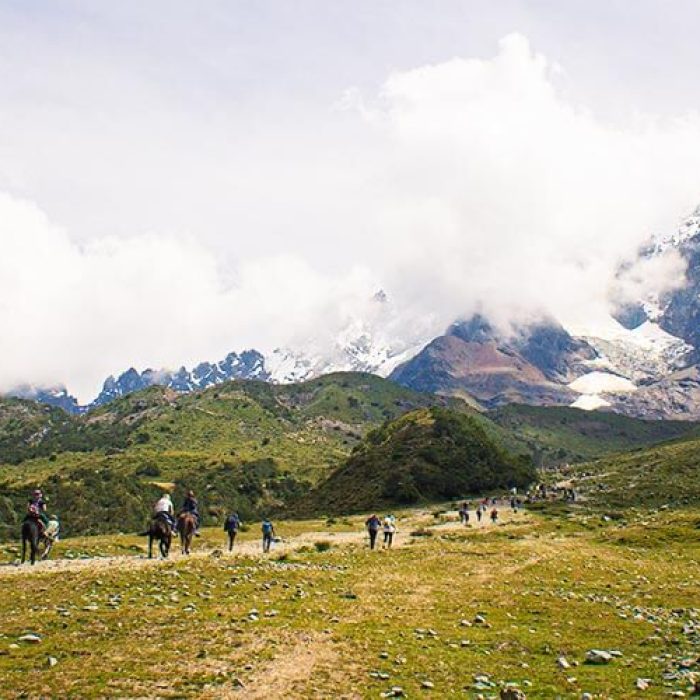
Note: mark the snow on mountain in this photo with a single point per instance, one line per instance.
(688, 230)
(601, 382)
(642, 354)
(590, 402)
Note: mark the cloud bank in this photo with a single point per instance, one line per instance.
(464, 185)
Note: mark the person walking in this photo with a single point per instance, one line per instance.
(373, 523)
(478, 513)
(268, 532)
(389, 528)
(494, 515)
(231, 527)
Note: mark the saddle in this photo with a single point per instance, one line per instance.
(164, 518)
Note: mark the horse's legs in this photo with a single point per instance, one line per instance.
(150, 546)
(34, 545)
(24, 549)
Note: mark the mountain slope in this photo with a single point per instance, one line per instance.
(662, 475)
(244, 444)
(474, 358)
(426, 455)
(562, 434)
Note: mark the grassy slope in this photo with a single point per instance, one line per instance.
(329, 622)
(425, 455)
(665, 474)
(206, 440)
(110, 464)
(558, 434)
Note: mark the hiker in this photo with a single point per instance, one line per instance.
(478, 513)
(372, 524)
(464, 513)
(389, 528)
(37, 508)
(494, 515)
(190, 505)
(268, 532)
(163, 509)
(231, 526)
(514, 504)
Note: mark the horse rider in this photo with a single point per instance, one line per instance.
(190, 505)
(37, 509)
(163, 508)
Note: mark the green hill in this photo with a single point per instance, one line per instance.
(663, 475)
(29, 430)
(249, 445)
(426, 455)
(554, 435)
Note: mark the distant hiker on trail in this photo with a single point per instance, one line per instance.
(464, 513)
(478, 513)
(389, 528)
(164, 510)
(514, 504)
(190, 505)
(268, 532)
(37, 508)
(231, 526)
(494, 515)
(373, 524)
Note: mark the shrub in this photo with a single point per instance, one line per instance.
(322, 545)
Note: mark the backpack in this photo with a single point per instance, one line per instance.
(232, 523)
(267, 527)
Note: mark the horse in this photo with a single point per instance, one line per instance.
(159, 530)
(186, 525)
(31, 534)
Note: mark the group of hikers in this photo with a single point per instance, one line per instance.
(387, 526)
(164, 512)
(163, 509)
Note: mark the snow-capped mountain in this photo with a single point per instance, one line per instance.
(643, 362)
(250, 364)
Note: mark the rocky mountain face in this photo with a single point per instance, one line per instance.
(250, 364)
(51, 396)
(528, 366)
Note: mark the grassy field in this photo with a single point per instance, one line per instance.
(451, 611)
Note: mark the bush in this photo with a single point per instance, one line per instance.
(322, 545)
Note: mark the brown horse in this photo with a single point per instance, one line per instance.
(159, 530)
(186, 525)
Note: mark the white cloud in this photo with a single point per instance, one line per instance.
(467, 184)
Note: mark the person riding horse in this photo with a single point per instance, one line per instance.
(190, 505)
(36, 509)
(163, 510)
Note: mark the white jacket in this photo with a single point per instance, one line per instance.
(164, 505)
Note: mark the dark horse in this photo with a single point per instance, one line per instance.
(186, 525)
(159, 530)
(31, 533)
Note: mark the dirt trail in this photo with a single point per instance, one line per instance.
(245, 548)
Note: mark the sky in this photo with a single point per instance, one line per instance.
(179, 180)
